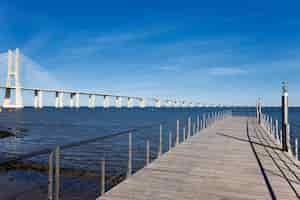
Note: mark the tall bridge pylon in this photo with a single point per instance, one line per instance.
(13, 74)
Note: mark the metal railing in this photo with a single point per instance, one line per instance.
(101, 163)
(273, 128)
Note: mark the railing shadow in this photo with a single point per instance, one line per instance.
(248, 141)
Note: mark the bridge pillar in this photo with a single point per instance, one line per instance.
(38, 99)
(56, 99)
(77, 100)
(142, 103)
(13, 74)
(157, 103)
(7, 98)
(118, 102)
(92, 101)
(72, 100)
(61, 99)
(129, 102)
(168, 103)
(105, 101)
(183, 104)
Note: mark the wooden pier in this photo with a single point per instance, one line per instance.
(234, 159)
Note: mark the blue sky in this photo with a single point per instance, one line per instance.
(212, 51)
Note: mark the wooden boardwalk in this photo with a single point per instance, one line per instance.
(227, 161)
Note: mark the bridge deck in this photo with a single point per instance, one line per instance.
(222, 162)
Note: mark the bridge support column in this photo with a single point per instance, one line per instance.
(19, 100)
(142, 103)
(72, 100)
(118, 102)
(56, 99)
(129, 102)
(38, 99)
(157, 103)
(61, 100)
(7, 98)
(105, 101)
(77, 100)
(13, 74)
(92, 101)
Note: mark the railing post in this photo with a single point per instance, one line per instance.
(57, 173)
(160, 140)
(147, 152)
(189, 127)
(177, 132)
(276, 130)
(201, 125)
(280, 137)
(170, 140)
(129, 154)
(50, 176)
(102, 176)
(198, 124)
(296, 149)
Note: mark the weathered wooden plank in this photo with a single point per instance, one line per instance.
(226, 161)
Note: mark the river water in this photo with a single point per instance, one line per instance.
(49, 127)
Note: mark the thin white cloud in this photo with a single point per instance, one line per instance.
(31, 73)
(34, 75)
(36, 43)
(227, 71)
(169, 68)
(118, 38)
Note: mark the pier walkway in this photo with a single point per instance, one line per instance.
(234, 159)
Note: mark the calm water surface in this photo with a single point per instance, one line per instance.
(49, 127)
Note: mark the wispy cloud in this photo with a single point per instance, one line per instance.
(37, 42)
(227, 71)
(32, 74)
(169, 68)
(88, 45)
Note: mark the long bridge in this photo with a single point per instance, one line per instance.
(13, 84)
(213, 155)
